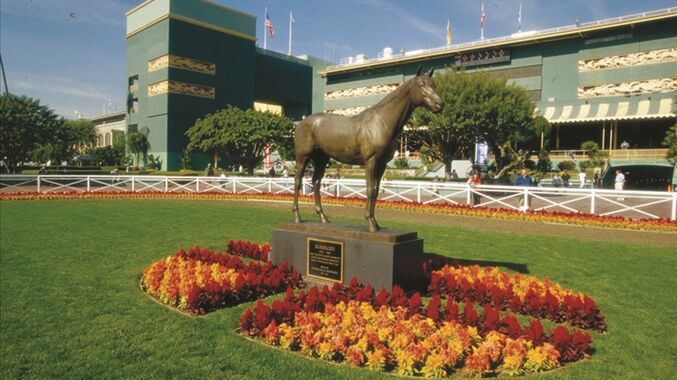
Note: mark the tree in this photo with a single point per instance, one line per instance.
(25, 125)
(186, 159)
(478, 107)
(543, 129)
(70, 138)
(596, 157)
(113, 154)
(670, 141)
(244, 135)
(138, 145)
(206, 134)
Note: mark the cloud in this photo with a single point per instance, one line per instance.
(415, 22)
(99, 12)
(65, 94)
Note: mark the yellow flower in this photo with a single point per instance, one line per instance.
(434, 366)
(376, 360)
(542, 358)
(472, 331)
(287, 336)
(512, 365)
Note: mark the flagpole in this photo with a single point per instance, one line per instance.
(519, 19)
(265, 29)
(482, 23)
(291, 20)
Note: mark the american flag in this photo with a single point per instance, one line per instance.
(269, 26)
(448, 32)
(482, 17)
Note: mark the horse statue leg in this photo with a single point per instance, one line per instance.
(374, 173)
(301, 163)
(320, 161)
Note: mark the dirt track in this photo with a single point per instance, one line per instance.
(645, 238)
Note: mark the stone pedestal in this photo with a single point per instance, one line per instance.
(327, 253)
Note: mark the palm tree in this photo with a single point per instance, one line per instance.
(138, 145)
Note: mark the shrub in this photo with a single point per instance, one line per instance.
(401, 163)
(544, 164)
(566, 165)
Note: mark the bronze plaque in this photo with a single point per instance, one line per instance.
(325, 260)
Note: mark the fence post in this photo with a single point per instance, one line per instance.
(166, 184)
(88, 184)
(526, 199)
(270, 185)
(133, 185)
(674, 206)
(234, 186)
(468, 194)
(197, 184)
(39, 177)
(592, 200)
(418, 193)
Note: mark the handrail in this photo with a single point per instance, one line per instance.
(627, 203)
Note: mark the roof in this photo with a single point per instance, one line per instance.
(524, 38)
(109, 118)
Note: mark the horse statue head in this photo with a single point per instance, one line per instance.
(368, 138)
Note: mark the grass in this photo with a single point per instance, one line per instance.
(70, 306)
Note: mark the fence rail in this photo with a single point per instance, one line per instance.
(629, 203)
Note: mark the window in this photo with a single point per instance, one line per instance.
(133, 83)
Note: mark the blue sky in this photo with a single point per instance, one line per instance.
(71, 54)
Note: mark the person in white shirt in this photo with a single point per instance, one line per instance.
(581, 179)
(619, 183)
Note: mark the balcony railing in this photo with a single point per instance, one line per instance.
(614, 154)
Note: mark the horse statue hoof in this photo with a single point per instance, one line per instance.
(297, 217)
(324, 219)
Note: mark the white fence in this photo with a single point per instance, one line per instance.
(630, 204)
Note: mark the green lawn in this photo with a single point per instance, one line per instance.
(70, 304)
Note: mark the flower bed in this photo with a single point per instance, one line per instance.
(607, 221)
(244, 248)
(518, 293)
(199, 280)
(394, 332)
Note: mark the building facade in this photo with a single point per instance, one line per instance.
(108, 127)
(608, 81)
(186, 59)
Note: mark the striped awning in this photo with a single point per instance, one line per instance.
(624, 110)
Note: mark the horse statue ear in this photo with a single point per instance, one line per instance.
(418, 71)
(430, 73)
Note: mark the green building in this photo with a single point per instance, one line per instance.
(186, 59)
(608, 81)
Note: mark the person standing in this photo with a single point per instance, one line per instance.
(565, 179)
(436, 180)
(209, 171)
(581, 179)
(619, 183)
(474, 181)
(556, 180)
(625, 145)
(524, 180)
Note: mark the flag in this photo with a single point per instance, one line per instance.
(448, 32)
(482, 17)
(269, 26)
(519, 18)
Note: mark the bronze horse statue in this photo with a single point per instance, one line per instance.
(368, 138)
